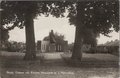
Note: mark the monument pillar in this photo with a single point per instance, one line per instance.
(52, 45)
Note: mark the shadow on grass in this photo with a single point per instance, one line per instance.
(89, 63)
(18, 62)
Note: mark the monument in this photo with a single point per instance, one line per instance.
(51, 45)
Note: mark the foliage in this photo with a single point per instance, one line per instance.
(14, 11)
(4, 35)
(97, 15)
(13, 46)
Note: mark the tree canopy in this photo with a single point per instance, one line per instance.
(95, 17)
(14, 11)
(98, 15)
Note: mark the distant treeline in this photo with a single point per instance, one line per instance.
(104, 49)
(98, 49)
(13, 46)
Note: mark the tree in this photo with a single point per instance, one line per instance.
(0, 27)
(91, 19)
(20, 14)
(4, 35)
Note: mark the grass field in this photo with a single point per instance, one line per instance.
(52, 65)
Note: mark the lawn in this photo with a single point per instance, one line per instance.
(93, 60)
(52, 65)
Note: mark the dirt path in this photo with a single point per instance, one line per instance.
(53, 59)
(52, 56)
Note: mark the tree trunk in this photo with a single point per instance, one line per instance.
(30, 38)
(0, 33)
(77, 53)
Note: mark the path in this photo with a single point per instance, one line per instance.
(53, 58)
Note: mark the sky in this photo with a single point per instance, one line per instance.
(43, 25)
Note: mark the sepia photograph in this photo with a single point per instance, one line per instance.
(59, 39)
